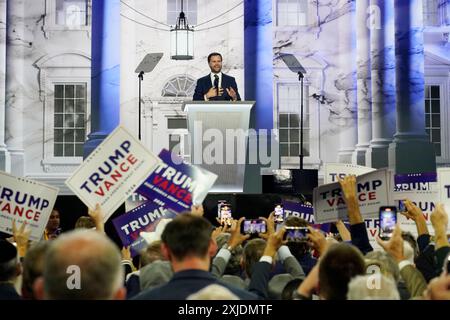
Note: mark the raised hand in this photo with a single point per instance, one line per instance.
(21, 237)
(274, 242)
(97, 216)
(270, 223)
(126, 253)
(439, 220)
(232, 93)
(236, 237)
(414, 213)
(197, 210)
(218, 231)
(394, 246)
(212, 92)
(317, 240)
(348, 186)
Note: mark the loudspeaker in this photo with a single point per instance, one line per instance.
(304, 181)
(293, 181)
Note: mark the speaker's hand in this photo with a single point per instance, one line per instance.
(232, 93)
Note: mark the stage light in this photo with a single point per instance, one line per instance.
(182, 39)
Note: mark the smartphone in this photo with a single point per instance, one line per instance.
(224, 213)
(401, 206)
(279, 213)
(253, 226)
(388, 220)
(296, 234)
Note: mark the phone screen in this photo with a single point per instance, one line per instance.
(296, 234)
(224, 213)
(253, 226)
(388, 220)
(401, 206)
(279, 213)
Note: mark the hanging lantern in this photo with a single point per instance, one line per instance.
(182, 39)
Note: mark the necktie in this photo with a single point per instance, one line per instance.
(216, 83)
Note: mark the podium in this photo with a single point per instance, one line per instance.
(218, 137)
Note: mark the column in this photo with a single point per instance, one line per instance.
(347, 86)
(258, 64)
(258, 60)
(105, 71)
(363, 82)
(5, 161)
(128, 78)
(382, 55)
(411, 151)
(14, 98)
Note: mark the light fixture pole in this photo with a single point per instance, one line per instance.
(182, 39)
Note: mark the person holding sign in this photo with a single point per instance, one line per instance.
(358, 229)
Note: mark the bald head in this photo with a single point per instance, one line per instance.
(82, 264)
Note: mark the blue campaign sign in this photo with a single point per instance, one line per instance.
(143, 218)
(298, 210)
(414, 181)
(303, 211)
(176, 183)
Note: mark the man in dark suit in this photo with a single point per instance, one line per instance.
(187, 244)
(216, 85)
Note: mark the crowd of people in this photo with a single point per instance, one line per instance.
(193, 260)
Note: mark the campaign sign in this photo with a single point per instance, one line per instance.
(419, 188)
(178, 184)
(412, 179)
(444, 187)
(298, 210)
(142, 218)
(113, 171)
(27, 201)
(372, 192)
(415, 182)
(373, 228)
(133, 201)
(335, 170)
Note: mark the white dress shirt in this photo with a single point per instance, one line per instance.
(212, 79)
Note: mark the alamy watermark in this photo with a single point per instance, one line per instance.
(73, 282)
(229, 146)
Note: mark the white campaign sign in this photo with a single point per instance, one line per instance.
(444, 187)
(113, 171)
(426, 200)
(372, 192)
(27, 201)
(335, 170)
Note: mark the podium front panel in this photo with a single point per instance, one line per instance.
(218, 141)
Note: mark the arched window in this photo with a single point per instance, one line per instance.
(179, 86)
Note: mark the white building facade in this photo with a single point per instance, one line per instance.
(45, 78)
